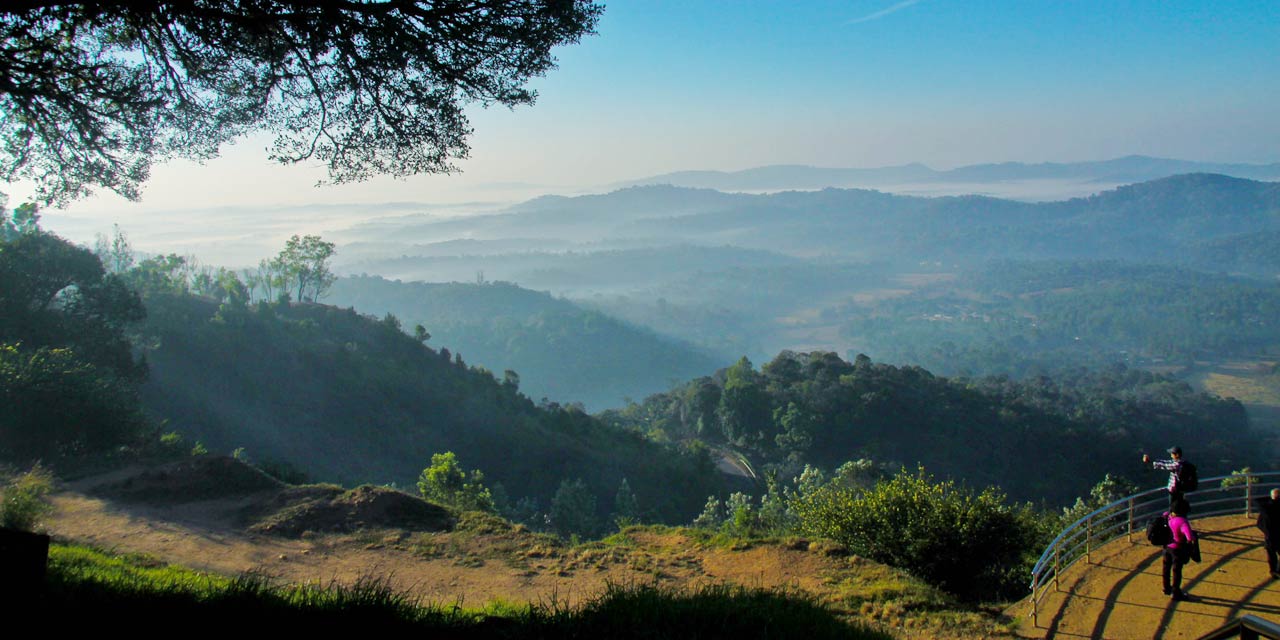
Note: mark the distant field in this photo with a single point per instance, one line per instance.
(917, 280)
(1245, 381)
(1239, 379)
(876, 295)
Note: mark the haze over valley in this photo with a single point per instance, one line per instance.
(876, 304)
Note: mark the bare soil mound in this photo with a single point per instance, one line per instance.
(330, 509)
(193, 479)
(266, 505)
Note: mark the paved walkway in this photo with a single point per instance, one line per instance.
(1118, 595)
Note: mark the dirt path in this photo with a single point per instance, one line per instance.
(437, 567)
(1118, 595)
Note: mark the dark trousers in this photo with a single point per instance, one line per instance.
(1272, 547)
(1174, 559)
(1174, 497)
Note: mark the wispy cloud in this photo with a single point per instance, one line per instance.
(884, 12)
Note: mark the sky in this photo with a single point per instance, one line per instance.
(713, 84)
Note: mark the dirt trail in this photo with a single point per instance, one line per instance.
(1118, 595)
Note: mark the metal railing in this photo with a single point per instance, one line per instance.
(1245, 628)
(1129, 515)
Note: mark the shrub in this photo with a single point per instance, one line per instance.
(55, 404)
(1109, 490)
(24, 499)
(972, 544)
(573, 509)
(446, 482)
(1240, 477)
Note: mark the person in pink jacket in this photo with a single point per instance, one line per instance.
(1178, 552)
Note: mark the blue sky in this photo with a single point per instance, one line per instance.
(735, 84)
(713, 84)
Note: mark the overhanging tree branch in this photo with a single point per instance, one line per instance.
(91, 93)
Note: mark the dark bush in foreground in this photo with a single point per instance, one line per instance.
(710, 611)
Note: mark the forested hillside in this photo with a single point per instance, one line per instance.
(1041, 440)
(1021, 318)
(347, 398)
(560, 350)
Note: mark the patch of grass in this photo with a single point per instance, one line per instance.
(893, 598)
(483, 523)
(24, 499)
(1252, 389)
(621, 539)
(86, 587)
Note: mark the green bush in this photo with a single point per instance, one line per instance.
(1239, 477)
(972, 544)
(573, 510)
(24, 499)
(55, 404)
(446, 482)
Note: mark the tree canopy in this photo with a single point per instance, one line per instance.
(57, 295)
(68, 377)
(91, 93)
(304, 263)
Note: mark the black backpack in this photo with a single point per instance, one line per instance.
(1188, 479)
(1158, 532)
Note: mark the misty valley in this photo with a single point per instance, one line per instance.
(733, 363)
(530, 319)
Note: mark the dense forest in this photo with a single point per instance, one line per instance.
(1041, 439)
(1024, 318)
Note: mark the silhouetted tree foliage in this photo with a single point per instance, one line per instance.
(58, 295)
(67, 372)
(93, 92)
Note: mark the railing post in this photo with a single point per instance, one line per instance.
(1130, 534)
(1035, 621)
(1057, 558)
(1248, 495)
(1088, 540)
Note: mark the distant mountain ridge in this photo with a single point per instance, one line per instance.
(1134, 168)
(1173, 219)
